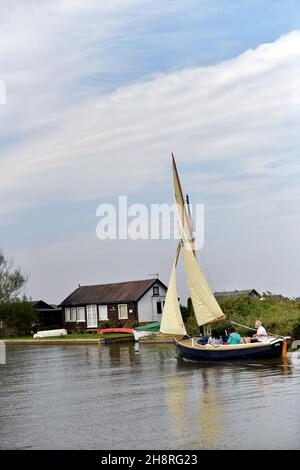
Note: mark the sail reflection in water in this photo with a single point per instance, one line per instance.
(196, 409)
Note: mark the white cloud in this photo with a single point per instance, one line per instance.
(240, 112)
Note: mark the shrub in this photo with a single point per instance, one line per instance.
(18, 317)
(130, 324)
(191, 326)
(296, 329)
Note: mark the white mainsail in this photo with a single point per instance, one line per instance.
(172, 322)
(206, 308)
(184, 219)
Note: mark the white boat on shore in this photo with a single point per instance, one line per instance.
(146, 330)
(140, 334)
(49, 333)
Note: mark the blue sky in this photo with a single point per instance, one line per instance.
(98, 95)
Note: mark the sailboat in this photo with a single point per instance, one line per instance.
(206, 308)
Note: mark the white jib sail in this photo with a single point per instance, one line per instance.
(206, 307)
(172, 322)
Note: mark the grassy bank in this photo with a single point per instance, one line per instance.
(68, 337)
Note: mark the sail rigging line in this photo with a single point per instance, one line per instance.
(253, 329)
(243, 326)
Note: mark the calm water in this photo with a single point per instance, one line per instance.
(114, 397)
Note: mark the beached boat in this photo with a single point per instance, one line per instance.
(115, 330)
(145, 330)
(49, 333)
(206, 308)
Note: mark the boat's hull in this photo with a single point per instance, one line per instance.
(189, 350)
(50, 333)
(115, 330)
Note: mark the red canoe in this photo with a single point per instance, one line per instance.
(115, 330)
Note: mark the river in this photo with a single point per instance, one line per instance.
(122, 397)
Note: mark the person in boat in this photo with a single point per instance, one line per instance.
(261, 334)
(215, 339)
(234, 336)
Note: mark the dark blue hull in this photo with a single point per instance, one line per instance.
(268, 350)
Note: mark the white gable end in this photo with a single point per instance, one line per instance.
(147, 305)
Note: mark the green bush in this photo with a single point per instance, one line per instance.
(296, 329)
(130, 324)
(184, 312)
(191, 326)
(104, 324)
(18, 317)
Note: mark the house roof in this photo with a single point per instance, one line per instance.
(130, 291)
(236, 293)
(42, 305)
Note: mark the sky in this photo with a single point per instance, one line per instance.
(98, 95)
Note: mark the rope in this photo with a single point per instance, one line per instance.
(253, 329)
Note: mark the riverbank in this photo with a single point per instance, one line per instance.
(70, 339)
(88, 339)
(157, 339)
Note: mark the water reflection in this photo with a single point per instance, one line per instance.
(203, 420)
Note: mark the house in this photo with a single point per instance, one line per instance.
(49, 316)
(276, 297)
(140, 301)
(236, 293)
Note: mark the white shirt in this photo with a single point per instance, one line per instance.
(214, 341)
(261, 330)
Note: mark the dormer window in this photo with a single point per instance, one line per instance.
(155, 290)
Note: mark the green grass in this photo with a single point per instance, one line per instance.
(72, 337)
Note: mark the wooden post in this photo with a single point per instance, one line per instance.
(284, 348)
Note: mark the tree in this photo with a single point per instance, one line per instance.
(18, 316)
(12, 281)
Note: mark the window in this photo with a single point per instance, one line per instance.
(158, 308)
(103, 312)
(91, 316)
(73, 314)
(67, 314)
(123, 313)
(155, 290)
(80, 314)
